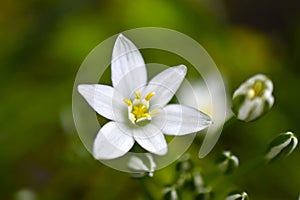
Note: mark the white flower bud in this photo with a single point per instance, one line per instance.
(170, 193)
(140, 166)
(228, 162)
(253, 98)
(284, 144)
(237, 196)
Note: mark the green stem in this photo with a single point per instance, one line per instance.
(146, 192)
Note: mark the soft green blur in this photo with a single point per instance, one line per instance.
(43, 44)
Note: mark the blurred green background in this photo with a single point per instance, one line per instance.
(43, 44)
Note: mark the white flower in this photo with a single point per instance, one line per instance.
(139, 111)
(253, 98)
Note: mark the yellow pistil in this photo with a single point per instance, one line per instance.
(138, 110)
(258, 86)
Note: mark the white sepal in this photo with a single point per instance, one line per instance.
(111, 142)
(165, 84)
(182, 120)
(128, 70)
(105, 100)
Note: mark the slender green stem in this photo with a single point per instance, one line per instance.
(147, 194)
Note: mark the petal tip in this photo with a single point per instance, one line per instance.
(182, 69)
(161, 152)
(120, 36)
(82, 88)
(121, 39)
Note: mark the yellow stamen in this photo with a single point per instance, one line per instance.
(140, 111)
(149, 96)
(147, 115)
(256, 90)
(127, 101)
(251, 93)
(137, 94)
(154, 112)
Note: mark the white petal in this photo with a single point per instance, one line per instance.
(151, 161)
(128, 71)
(257, 110)
(111, 142)
(182, 120)
(151, 139)
(137, 164)
(235, 160)
(295, 143)
(165, 84)
(277, 149)
(148, 136)
(105, 100)
(233, 197)
(251, 109)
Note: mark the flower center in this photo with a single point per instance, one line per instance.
(138, 110)
(257, 89)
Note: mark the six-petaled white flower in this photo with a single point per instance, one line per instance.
(139, 111)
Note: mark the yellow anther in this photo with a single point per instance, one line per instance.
(127, 101)
(256, 90)
(251, 93)
(139, 111)
(148, 116)
(137, 94)
(149, 96)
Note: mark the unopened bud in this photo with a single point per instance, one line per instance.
(170, 194)
(142, 165)
(228, 162)
(253, 98)
(237, 196)
(284, 144)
